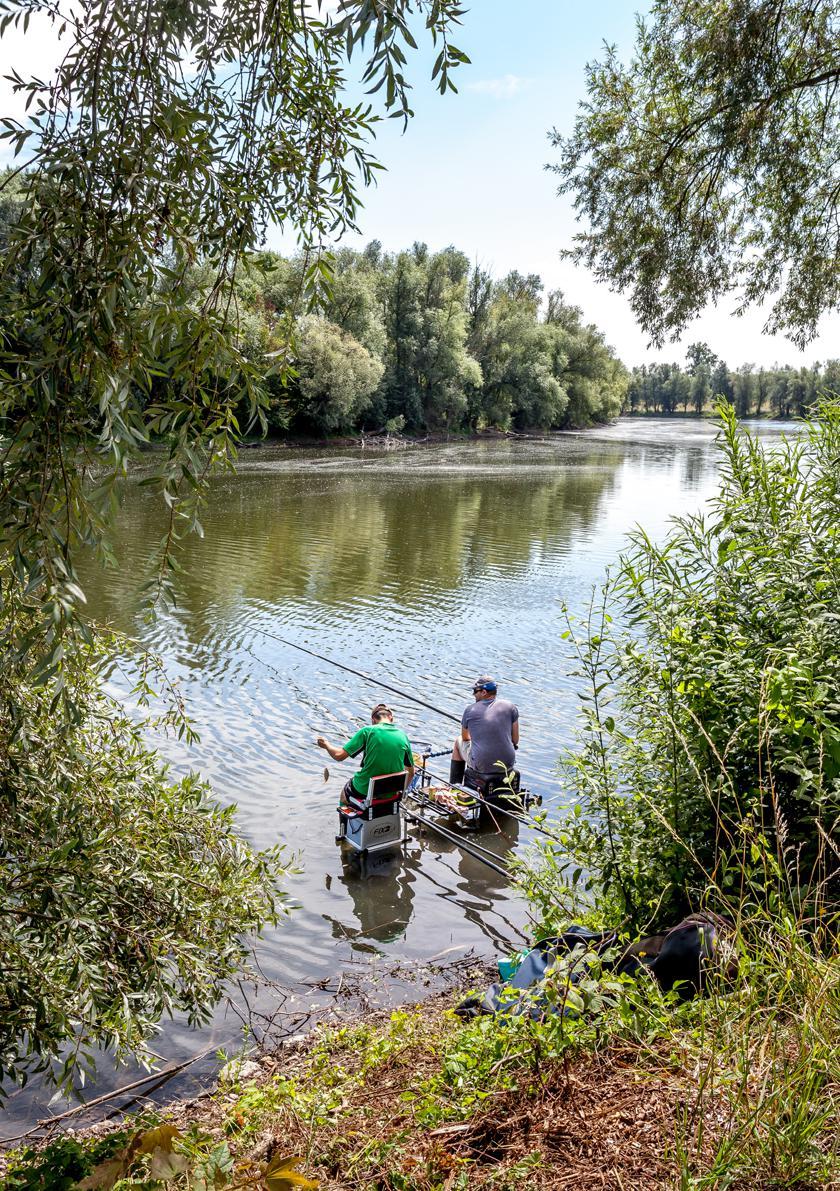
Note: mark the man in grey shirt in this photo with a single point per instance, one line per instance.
(489, 734)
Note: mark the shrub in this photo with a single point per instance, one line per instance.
(126, 894)
(711, 714)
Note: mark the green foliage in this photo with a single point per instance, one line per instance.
(520, 360)
(128, 287)
(160, 170)
(336, 378)
(157, 1156)
(450, 350)
(780, 392)
(709, 162)
(767, 1051)
(60, 1165)
(710, 717)
(429, 370)
(126, 894)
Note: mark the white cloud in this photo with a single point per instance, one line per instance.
(504, 88)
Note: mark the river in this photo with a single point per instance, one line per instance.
(426, 566)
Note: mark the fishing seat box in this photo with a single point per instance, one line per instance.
(376, 821)
(500, 790)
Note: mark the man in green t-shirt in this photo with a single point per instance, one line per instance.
(385, 749)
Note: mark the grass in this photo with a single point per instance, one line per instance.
(739, 1089)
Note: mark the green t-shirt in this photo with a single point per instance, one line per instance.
(387, 749)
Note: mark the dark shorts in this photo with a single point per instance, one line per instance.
(486, 783)
(349, 791)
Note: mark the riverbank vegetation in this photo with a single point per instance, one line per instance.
(127, 894)
(414, 341)
(709, 759)
(738, 1089)
(707, 776)
(424, 342)
(695, 388)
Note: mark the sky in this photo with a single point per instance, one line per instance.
(470, 168)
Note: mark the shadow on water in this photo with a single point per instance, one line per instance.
(425, 567)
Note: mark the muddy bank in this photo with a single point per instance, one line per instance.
(385, 441)
(415, 1100)
(273, 1018)
(638, 1091)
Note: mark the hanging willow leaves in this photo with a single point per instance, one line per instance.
(170, 135)
(708, 163)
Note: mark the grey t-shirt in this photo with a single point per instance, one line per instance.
(489, 722)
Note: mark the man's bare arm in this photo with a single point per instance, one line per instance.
(337, 754)
(514, 732)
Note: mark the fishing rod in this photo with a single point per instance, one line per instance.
(424, 803)
(455, 839)
(360, 674)
(525, 820)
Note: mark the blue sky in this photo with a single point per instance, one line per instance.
(469, 170)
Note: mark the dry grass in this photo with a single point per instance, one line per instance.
(366, 1108)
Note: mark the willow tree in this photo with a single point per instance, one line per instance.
(172, 133)
(711, 163)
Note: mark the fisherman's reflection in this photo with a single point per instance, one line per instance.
(381, 888)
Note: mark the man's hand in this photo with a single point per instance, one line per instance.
(337, 754)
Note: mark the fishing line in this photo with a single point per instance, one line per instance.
(525, 820)
(302, 695)
(425, 803)
(360, 674)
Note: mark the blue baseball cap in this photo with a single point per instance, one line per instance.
(485, 683)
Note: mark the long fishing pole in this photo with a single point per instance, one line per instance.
(527, 821)
(360, 674)
(424, 803)
(449, 835)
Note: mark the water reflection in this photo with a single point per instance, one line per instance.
(408, 535)
(381, 890)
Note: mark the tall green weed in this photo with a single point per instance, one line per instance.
(710, 676)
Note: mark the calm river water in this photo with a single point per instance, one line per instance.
(426, 566)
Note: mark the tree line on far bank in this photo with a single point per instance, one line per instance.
(425, 342)
(777, 392)
(418, 341)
